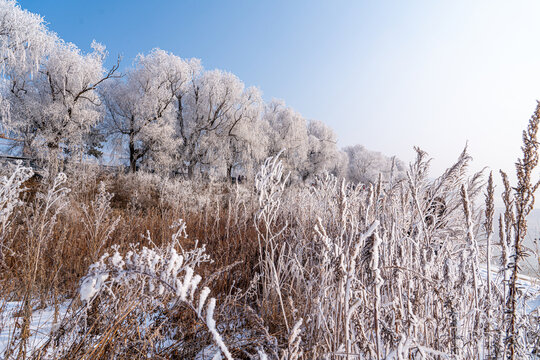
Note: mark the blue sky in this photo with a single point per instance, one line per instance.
(385, 74)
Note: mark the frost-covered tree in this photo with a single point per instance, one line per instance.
(169, 110)
(56, 106)
(24, 39)
(310, 147)
(244, 146)
(323, 153)
(340, 165)
(210, 113)
(139, 113)
(365, 166)
(288, 132)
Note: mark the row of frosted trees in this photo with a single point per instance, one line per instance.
(164, 113)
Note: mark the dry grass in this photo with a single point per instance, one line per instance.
(229, 238)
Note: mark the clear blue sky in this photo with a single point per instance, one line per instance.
(385, 74)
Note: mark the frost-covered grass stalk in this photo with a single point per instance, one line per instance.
(10, 190)
(270, 183)
(523, 204)
(488, 227)
(378, 280)
(98, 221)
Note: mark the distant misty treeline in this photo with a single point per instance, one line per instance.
(165, 113)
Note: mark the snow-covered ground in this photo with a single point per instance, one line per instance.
(42, 324)
(530, 264)
(529, 285)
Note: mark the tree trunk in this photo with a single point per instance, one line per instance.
(54, 162)
(229, 172)
(132, 157)
(191, 169)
